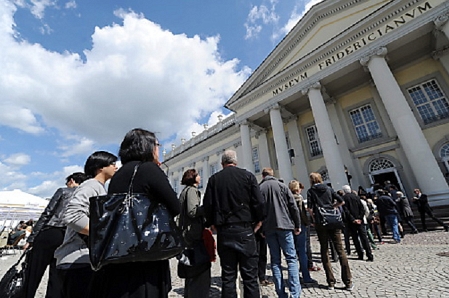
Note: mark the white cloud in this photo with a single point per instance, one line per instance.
(297, 13)
(38, 7)
(258, 16)
(71, 4)
(75, 145)
(135, 75)
(18, 159)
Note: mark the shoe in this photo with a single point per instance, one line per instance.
(350, 287)
(446, 228)
(425, 230)
(315, 268)
(370, 259)
(265, 283)
(331, 287)
(310, 282)
(396, 241)
(360, 257)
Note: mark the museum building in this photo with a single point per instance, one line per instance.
(358, 91)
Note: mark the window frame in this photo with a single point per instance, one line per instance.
(365, 124)
(444, 88)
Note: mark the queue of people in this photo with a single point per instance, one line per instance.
(246, 216)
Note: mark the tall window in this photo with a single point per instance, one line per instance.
(430, 101)
(175, 185)
(365, 124)
(256, 159)
(314, 141)
(200, 172)
(213, 168)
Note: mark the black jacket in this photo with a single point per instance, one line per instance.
(233, 196)
(353, 207)
(52, 215)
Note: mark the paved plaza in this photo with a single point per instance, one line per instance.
(418, 267)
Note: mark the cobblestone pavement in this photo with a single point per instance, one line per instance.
(418, 267)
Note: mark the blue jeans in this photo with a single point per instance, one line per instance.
(301, 250)
(392, 220)
(283, 239)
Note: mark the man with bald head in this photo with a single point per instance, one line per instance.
(234, 207)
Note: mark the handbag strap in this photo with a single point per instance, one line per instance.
(130, 188)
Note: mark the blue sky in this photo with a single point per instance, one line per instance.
(76, 75)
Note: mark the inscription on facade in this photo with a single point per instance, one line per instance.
(359, 44)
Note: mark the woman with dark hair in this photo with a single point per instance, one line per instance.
(138, 279)
(191, 221)
(321, 195)
(72, 257)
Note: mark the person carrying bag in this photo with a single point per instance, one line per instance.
(194, 264)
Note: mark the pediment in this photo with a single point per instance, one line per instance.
(323, 22)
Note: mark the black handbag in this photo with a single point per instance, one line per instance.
(330, 218)
(130, 227)
(11, 285)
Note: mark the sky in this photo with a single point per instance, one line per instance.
(76, 75)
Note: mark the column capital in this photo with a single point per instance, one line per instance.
(315, 85)
(274, 106)
(205, 159)
(237, 144)
(441, 20)
(244, 122)
(379, 52)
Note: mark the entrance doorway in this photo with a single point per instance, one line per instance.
(388, 176)
(382, 170)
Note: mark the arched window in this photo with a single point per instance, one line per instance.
(380, 164)
(444, 154)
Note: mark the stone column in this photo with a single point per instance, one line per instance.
(302, 174)
(285, 169)
(205, 176)
(442, 24)
(264, 155)
(245, 160)
(331, 153)
(413, 141)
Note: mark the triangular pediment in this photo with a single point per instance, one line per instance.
(322, 23)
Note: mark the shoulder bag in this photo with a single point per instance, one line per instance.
(330, 218)
(11, 284)
(130, 227)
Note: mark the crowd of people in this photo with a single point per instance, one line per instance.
(248, 217)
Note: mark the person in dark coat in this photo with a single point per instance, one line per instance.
(138, 279)
(420, 199)
(234, 206)
(355, 213)
(48, 234)
(405, 211)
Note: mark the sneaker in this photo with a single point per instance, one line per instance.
(310, 282)
(330, 287)
(350, 287)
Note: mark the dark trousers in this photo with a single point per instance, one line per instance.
(198, 286)
(38, 258)
(75, 281)
(429, 212)
(335, 236)
(358, 234)
(410, 223)
(346, 234)
(262, 252)
(237, 249)
(309, 248)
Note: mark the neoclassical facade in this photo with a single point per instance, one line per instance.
(358, 91)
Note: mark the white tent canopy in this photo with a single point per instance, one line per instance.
(17, 205)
